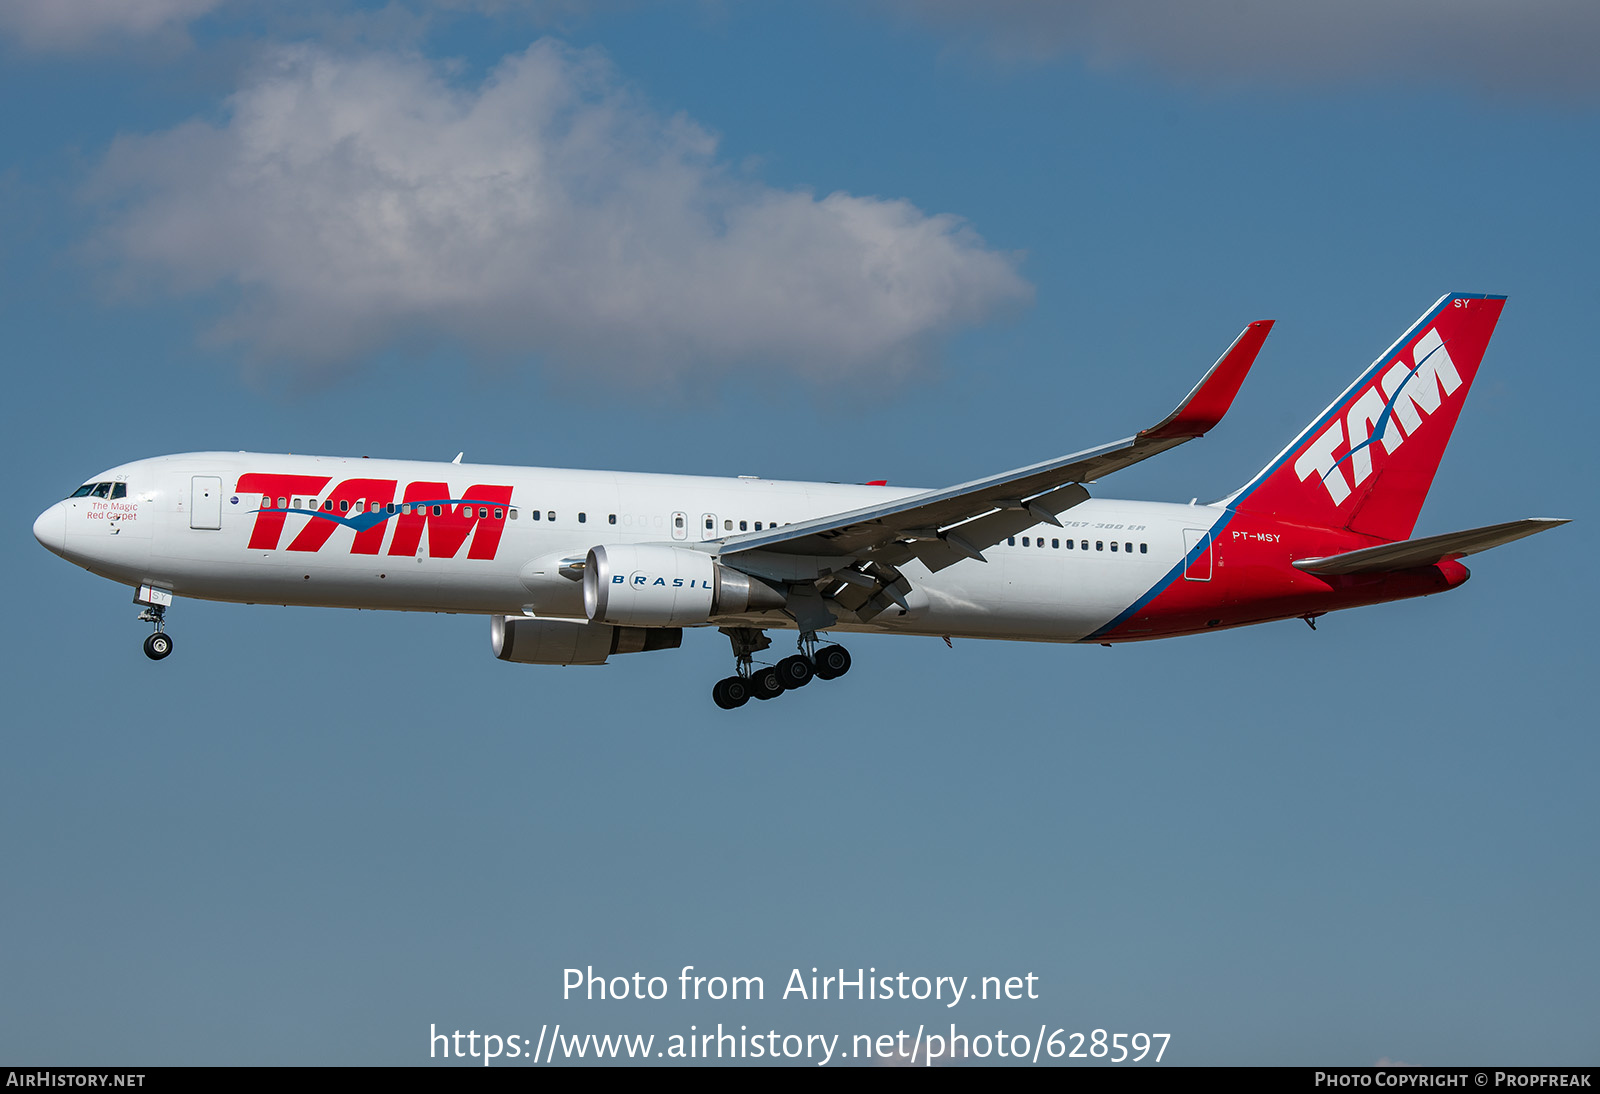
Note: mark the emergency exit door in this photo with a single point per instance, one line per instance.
(205, 502)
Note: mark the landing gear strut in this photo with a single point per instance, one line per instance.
(768, 682)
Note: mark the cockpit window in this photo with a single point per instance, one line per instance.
(111, 490)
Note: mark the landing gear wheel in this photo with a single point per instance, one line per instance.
(766, 684)
(795, 672)
(158, 645)
(832, 662)
(731, 693)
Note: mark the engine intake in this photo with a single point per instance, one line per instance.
(553, 642)
(653, 586)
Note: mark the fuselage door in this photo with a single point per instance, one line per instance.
(1199, 568)
(708, 526)
(205, 502)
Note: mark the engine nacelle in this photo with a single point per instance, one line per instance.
(652, 586)
(553, 642)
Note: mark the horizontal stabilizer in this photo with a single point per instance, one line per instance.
(1411, 553)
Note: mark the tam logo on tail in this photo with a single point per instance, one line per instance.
(1411, 392)
(1367, 462)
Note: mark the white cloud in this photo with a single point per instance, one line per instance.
(357, 202)
(1532, 47)
(73, 24)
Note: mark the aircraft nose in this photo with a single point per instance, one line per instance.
(51, 528)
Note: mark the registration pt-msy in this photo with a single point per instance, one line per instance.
(572, 567)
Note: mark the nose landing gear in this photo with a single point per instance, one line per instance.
(155, 602)
(827, 663)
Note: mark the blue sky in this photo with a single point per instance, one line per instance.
(920, 242)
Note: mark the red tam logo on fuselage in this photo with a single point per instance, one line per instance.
(366, 506)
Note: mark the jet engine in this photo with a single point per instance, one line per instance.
(657, 586)
(554, 642)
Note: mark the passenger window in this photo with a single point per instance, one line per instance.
(711, 524)
(533, 514)
(1144, 548)
(1128, 547)
(499, 514)
(119, 490)
(583, 518)
(1113, 545)
(1084, 545)
(1039, 542)
(744, 526)
(1011, 541)
(677, 522)
(344, 507)
(513, 514)
(1055, 545)
(1099, 545)
(1024, 541)
(438, 510)
(612, 519)
(758, 526)
(1070, 544)
(551, 515)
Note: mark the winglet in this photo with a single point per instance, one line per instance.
(1213, 395)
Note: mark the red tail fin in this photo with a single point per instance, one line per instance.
(1367, 461)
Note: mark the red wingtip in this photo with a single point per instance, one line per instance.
(1213, 395)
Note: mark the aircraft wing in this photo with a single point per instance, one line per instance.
(1410, 553)
(943, 526)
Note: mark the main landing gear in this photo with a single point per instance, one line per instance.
(159, 644)
(771, 681)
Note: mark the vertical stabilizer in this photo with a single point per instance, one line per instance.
(1366, 462)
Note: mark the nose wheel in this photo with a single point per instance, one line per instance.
(771, 681)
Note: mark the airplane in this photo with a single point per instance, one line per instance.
(574, 566)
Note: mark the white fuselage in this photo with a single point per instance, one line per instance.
(160, 533)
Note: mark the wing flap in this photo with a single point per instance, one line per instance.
(1411, 553)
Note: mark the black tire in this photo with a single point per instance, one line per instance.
(832, 662)
(158, 646)
(766, 684)
(732, 693)
(795, 672)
